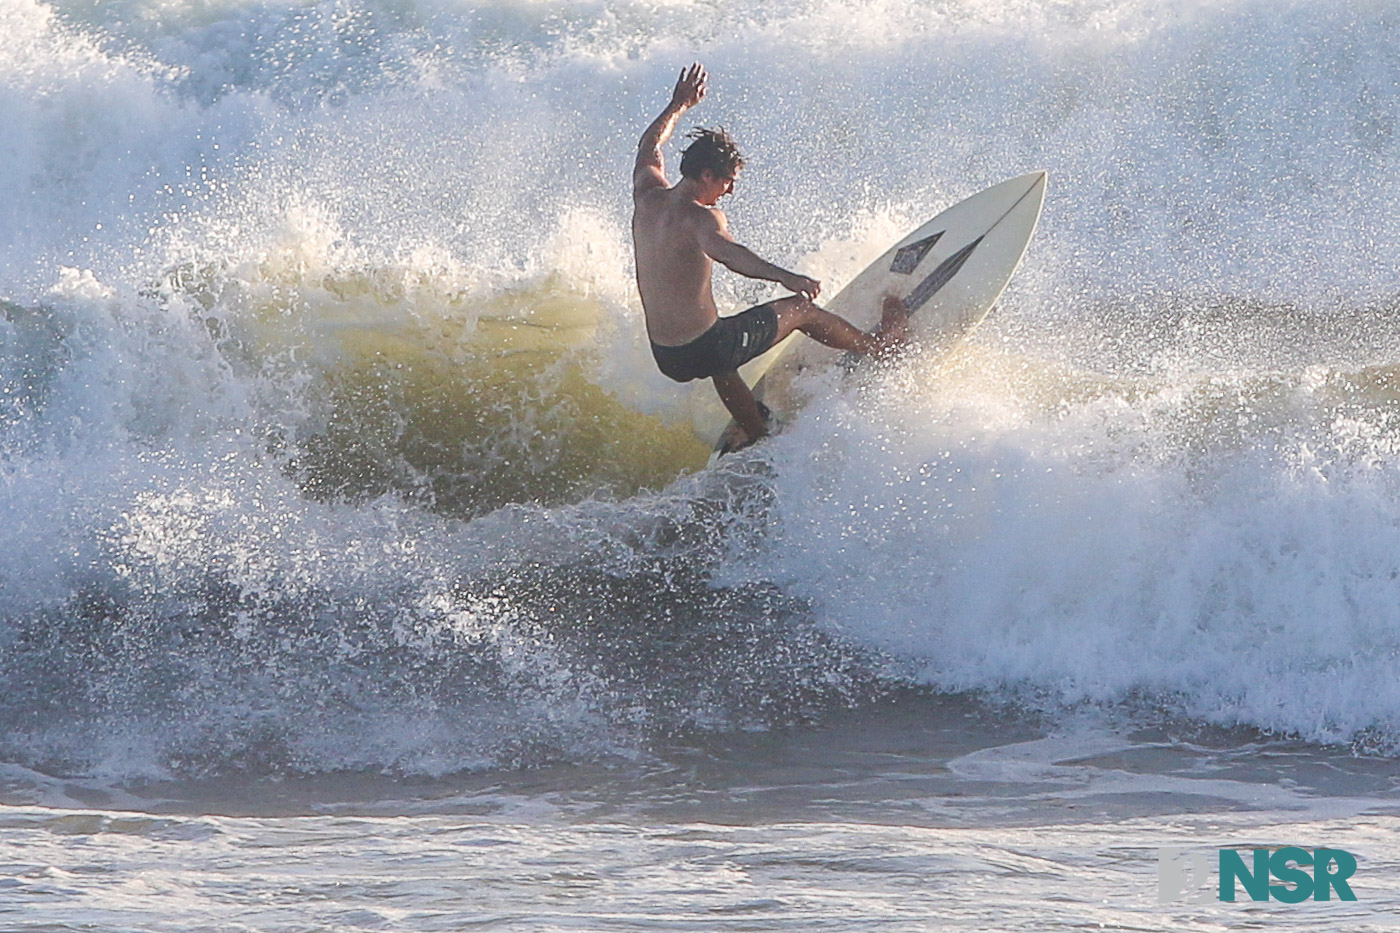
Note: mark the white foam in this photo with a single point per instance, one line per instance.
(1106, 545)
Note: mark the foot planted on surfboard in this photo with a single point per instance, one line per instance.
(734, 438)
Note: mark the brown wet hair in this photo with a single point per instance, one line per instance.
(713, 149)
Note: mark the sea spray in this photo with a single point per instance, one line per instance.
(329, 438)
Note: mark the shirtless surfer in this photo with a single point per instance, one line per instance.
(678, 234)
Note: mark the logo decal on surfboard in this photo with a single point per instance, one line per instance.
(939, 277)
(909, 257)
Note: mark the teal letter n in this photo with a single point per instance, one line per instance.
(1256, 885)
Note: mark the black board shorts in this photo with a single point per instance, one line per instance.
(728, 344)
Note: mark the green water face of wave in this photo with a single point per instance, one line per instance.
(458, 402)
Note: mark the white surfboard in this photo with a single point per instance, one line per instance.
(950, 272)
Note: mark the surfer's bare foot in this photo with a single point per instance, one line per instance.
(893, 331)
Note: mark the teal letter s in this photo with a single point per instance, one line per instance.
(1278, 866)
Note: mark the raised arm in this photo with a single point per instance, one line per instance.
(715, 240)
(649, 170)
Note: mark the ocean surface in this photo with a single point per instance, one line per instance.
(359, 572)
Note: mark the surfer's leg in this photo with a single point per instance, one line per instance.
(738, 398)
(798, 313)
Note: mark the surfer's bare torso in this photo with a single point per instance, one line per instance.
(673, 269)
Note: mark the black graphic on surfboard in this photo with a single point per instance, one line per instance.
(939, 277)
(909, 257)
(926, 289)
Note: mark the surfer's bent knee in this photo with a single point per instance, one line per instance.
(796, 312)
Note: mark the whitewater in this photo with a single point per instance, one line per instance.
(358, 571)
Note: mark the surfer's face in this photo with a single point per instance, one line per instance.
(716, 186)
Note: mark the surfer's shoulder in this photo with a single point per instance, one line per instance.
(647, 179)
(707, 219)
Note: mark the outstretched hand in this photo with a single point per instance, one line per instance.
(808, 288)
(690, 88)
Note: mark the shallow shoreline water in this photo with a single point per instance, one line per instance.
(927, 812)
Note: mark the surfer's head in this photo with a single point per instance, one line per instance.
(714, 151)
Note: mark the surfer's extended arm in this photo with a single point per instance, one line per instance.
(715, 240)
(649, 170)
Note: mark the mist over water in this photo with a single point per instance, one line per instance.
(329, 438)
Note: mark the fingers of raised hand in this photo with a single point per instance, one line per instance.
(692, 82)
